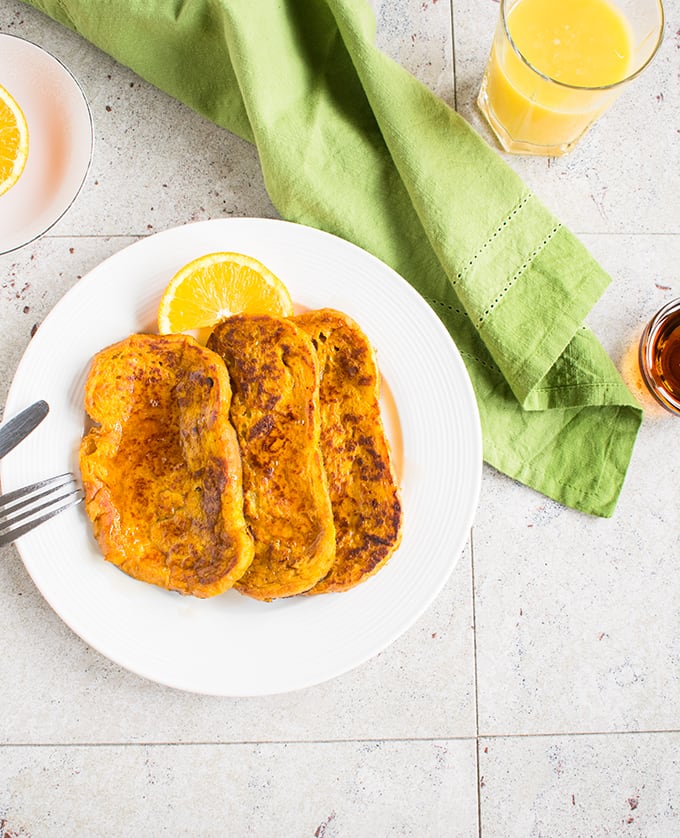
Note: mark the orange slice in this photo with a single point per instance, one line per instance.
(217, 285)
(13, 141)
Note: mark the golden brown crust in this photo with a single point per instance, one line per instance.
(362, 483)
(275, 410)
(162, 470)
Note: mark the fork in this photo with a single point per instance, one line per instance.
(23, 509)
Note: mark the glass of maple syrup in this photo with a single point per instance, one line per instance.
(660, 356)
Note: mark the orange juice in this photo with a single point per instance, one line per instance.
(587, 43)
(558, 78)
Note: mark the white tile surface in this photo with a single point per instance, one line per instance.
(360, 789)
(580, 785)
(418, 36)
(540, 689)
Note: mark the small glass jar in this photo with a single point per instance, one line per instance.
(660, 356)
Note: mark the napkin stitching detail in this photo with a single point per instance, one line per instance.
(479, 360)
(513, 279)
(593, 385)
(441, 304)
(518, 206)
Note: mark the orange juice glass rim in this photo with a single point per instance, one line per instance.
(613, 85)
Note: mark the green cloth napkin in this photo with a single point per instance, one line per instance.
(351, 143)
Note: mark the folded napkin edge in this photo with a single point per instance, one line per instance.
(599, 495)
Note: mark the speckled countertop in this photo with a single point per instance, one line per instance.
(538, 696)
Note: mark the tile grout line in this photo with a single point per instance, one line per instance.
(357, 741)
(580, 733)
(453, 57)
(146, 234)
(472, 552)
(475, 682)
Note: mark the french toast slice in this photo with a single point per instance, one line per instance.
(275, 411)
(362, 482)
(162, 468)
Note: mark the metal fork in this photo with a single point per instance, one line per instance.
(23, 509)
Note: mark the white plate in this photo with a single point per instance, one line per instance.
(233, 645)
(60, 141)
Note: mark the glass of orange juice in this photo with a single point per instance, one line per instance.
(556, 65)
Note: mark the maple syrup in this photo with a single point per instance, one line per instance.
(660, 356)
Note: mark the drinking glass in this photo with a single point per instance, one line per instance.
(556, 65)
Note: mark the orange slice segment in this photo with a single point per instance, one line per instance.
(217, 285)
(13, 141)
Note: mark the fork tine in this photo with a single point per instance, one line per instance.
(12, 535)
(56, 493)
(28, 507)
(51, 482)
